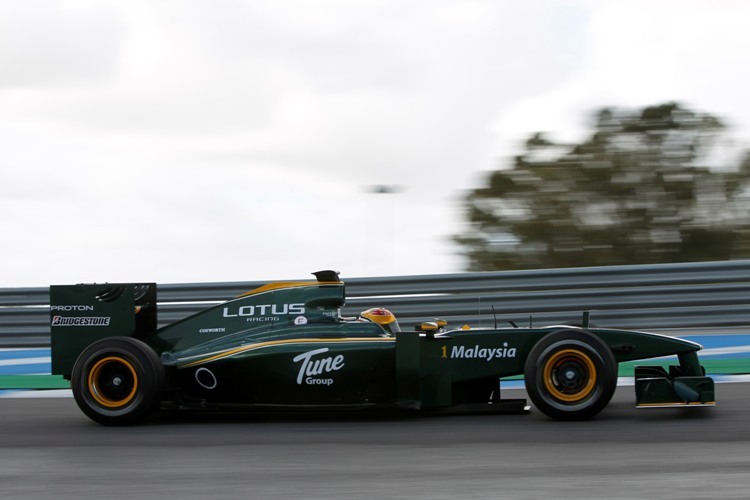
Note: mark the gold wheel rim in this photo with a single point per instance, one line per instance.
(96, 384)
(575, 364)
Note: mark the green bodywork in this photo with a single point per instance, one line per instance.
(286, 344)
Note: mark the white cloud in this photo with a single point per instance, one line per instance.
(43, 44)
(233, 140)
(680, 51)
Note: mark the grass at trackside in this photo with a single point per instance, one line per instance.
(33, 382)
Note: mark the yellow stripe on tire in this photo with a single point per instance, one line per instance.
(580, 358)
(95, 384)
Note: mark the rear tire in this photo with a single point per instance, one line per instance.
(118, 380)
(570, 375)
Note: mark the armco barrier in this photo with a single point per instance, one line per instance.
(702, 296)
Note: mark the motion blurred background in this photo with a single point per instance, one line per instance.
(194, 141)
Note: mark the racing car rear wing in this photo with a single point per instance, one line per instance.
(82, 314)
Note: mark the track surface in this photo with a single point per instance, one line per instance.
(49, 449)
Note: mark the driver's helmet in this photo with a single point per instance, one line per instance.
(383, 317)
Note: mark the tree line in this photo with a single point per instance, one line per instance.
(644, 186)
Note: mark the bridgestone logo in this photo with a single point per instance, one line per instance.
(80, 321)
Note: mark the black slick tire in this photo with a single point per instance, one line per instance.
(570, 375)
(118, 380)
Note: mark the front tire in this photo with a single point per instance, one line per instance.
(117, 380)
(570, 375)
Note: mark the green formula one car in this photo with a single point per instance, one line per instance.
(286, 346)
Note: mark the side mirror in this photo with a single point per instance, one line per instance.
(427, 326)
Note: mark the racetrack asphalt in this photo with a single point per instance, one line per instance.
(51, 450)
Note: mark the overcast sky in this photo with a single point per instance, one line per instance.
(191, 141)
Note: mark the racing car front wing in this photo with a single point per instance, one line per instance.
(685, 384)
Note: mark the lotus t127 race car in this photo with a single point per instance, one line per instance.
(286, 346)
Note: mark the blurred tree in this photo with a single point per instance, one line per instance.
(639, 190)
